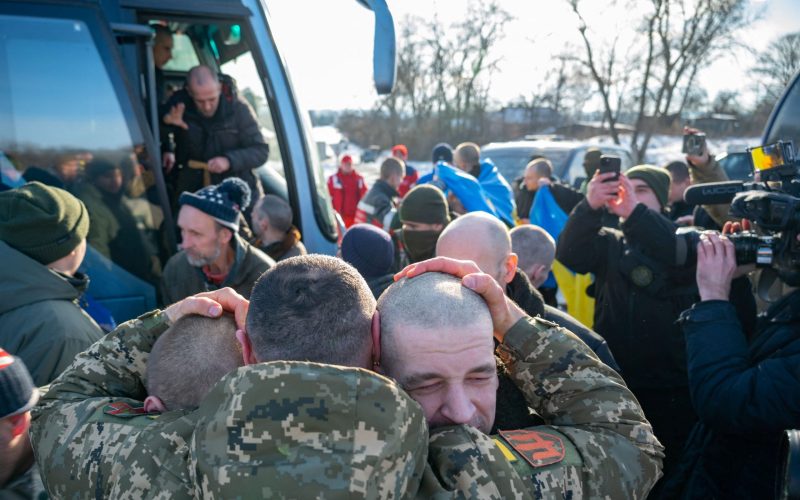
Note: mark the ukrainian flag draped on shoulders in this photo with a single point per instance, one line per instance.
(546, 214)
(489, 193)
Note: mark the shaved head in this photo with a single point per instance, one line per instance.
(536, 251)
(203, 86)
(481, 238)
(436, 341)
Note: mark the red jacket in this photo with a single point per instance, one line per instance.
(346, 191)
(409, 181)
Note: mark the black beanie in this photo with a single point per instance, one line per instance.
(442, 152)
(369, 249)
(17, 392)
(224, 202)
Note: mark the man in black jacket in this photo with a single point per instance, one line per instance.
(639, 292)
(216, 134)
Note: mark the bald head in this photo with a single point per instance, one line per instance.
(431, 301)
(536, 250)
(203, 86)
(481, 238)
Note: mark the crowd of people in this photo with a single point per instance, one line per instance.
(432, 357)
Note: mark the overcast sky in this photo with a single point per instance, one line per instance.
(328, 43)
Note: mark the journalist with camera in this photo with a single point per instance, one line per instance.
(745, 393)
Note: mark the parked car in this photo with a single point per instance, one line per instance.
(566, 156)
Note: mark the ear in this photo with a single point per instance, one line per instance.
(247, 348)
(376, 341)
(226, 235)
(154, 404)
(511, 267)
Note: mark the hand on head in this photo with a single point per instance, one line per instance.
(505, 313)
(211, 304)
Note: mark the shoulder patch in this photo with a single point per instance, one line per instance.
(124, 410)
(538, 448)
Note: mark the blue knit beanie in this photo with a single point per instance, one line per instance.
(224, 202)
(369, 249)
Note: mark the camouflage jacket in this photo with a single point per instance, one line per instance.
(249, 428)
(280, 429)
(598, 443)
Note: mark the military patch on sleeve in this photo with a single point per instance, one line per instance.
(538, 448)
(125, 410)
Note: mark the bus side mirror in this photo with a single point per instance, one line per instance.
(384, 55)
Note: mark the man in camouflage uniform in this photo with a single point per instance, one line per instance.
(278, 429)
(85, 444)
(597, 443)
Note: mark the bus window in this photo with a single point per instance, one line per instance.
(184, 57)
(61, 123)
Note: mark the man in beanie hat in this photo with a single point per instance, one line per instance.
(19, 476)
(370, 250)
(43, 232)
(212, 254)
(424, 214)
(639, 292)
(346, 187)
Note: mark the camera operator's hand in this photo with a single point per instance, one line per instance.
(601, 190)
(698, 161)
(625, 201)
(716, 266)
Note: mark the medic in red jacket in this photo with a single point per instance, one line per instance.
(346, 187)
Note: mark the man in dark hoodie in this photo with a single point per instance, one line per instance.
(43, 231)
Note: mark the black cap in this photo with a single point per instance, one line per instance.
(17, 392)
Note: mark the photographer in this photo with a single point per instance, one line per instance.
(744, 395)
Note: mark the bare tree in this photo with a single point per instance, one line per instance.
(778, 64)
(656, 78)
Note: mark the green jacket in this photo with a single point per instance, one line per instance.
(40, 320)
(181, 279)
(599, 444)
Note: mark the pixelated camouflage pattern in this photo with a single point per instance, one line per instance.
(328, 432)
(465, 463)
(332, 428)
(84, 453)
(307, 430)
(588, 402)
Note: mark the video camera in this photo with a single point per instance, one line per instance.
(772, 202)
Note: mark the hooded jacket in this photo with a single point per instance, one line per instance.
(182, 279)
(40, 320)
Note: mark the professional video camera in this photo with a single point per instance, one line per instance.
(771, 202)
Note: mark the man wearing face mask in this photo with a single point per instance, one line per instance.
(424, 214)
